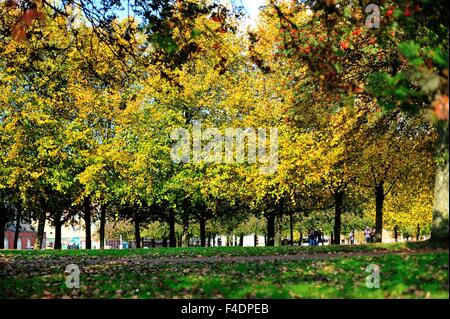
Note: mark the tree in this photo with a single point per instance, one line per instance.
(404, 63)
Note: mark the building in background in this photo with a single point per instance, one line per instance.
(72, 237)
(27, 236)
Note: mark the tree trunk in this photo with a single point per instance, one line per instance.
(2, 235)
(185, 235)
(338, 207)
(270, 229)
(18, 220)
(301, 230)
(172, 234)
(58, 225)
(379, 201)
(3, 222)
(439, 228)
(202, 222)
(396, 233)
(40, 230)
(418, 233)
(278, 229)
(291, 226)
(255, 240)
(102, 226)
(137, 229)
(241, 240)
(87, 221)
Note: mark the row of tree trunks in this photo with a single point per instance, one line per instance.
(58, 223)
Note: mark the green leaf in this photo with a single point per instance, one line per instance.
(409, 49)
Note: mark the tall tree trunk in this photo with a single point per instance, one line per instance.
(3, 222)
(255, 240)
(18, 221)
(418, 233)
(102, 225)
(396, 233)
(278, 229)
(87, 221)
(137, 229)
(301, 230)
(291, 228)
(439, 228)
(379, 201)
(241, 240)
(172, 234)
(185, 234)
(270, 229)
(2, 235)
(338, 208)
(58, 225)
(40, 230)
(202, 222)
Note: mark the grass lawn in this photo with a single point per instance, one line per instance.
(216, 251)
(121, 274)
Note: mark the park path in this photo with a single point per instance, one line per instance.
(10, 265)
(271, 258)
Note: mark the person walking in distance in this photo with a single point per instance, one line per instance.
(319, 237)
(311, 238)
(372, 235)
(352, 237)
(367, 234)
